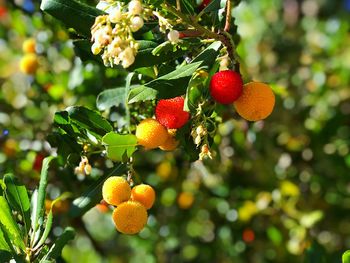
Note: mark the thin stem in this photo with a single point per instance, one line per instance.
(178, 5)
(202, 31)
(228, 16)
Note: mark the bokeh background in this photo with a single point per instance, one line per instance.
(278, 190)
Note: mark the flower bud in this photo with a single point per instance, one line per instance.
(127, 57)
(197, 140)
(95, 48)
(173, 36)
(136, 23)
(135, 7)
(115, 16)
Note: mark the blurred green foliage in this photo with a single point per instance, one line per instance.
(277, 191)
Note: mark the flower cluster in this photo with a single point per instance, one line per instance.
(112, 34)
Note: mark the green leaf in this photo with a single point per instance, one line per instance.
(110, 97)
(170, 85)
(5, 243)
(89, 120)
(38, 200)
(175, 83)
(209, 55)
(346, 257)
(73, 14)
(9, 225)
(49, 219)
(118, 146)
(93, 194)
(16, 194)
(213, 6)
(56, 249)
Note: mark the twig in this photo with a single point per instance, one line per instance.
(178, 5)
(228, 16)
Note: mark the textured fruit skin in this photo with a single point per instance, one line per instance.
(151, 134)
(130, 217)
(116, 190)
(170, 113)
(170, 144)
(29, 64)
(256, 102)
(185, 200)
(143, 194)
(226, 86)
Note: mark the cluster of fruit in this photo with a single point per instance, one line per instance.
(253, 101)
(29, 63)
(160, 132)
(130, 215)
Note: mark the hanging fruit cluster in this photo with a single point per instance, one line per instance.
(130, 215)
(184, 78)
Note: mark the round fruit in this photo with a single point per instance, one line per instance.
(170, 113)
(116, 190)
(170, 144)
(130, 217)
(28, 45)
(144, 194)
(185, 200)
(256, 102)
(29, 64)
(151, 134)
(226, 86)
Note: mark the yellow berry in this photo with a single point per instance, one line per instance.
(171, 143)
(29, 64)
(144, 194)
(256, 102)
(185, 200)
(116, 190)
(130, 217)
(28, 45)
(151, 134)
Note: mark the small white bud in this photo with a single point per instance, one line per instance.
(95, 48)
(200, 130)
(135, 7)
(197, 140)
(136, 23)
(173, 36)
(115, 16)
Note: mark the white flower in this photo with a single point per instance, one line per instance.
(127, 57)
(135, 7)
(173, 36)
(115, 16)
(136, 23)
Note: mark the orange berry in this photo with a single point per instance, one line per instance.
(116, 190)
(185, 200)
(130, 217)
(151, 134)
(29, 64)
(28, 45)
(171, 143)
(144, 194)
(256, 102)
(102, 207)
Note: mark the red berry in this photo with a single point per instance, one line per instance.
(170, 113)
(226, 86)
